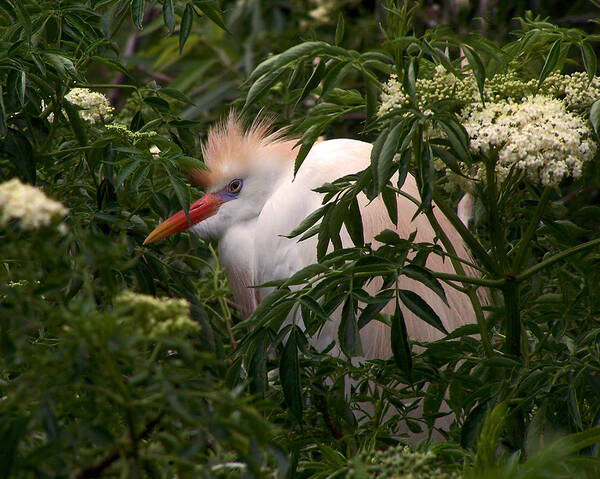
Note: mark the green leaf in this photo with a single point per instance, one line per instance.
(333, 76)
(21, 87)
(313, 81)
(457, 136)
(388, 195)
(177, 95)
(418, 306)
(385, 166)
(3, 124)
(168, 15)
(590, 61)
(138, 8)
(426, 171)
(261, 87)
(477, 67)
(399, 343)
(424, 276)
(551, 62)
(210, 9)
(353, 223)
(289, 372)
(339, 29)
(79, 128)
(372, 97)
(595, 117)
(348, 333)
(187, 19)
(182, 192)
(283, 59)
(310, 220)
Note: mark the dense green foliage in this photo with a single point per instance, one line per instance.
(104, 372)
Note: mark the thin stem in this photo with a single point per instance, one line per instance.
(513, 317)
(553, 259)
(497, 230)
(522, 245)
(458, 267)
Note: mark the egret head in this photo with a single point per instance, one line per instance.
(243, 169)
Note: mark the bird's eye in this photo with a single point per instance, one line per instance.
(234, 186)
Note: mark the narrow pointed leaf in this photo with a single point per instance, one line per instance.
(348, 333)
(399, 343)
(187, 20)
(551, 62)
(339, 29)
(477, 67)
(168, 15)
(590, 61)
(137, 12)
(289, 372)
(417, 305)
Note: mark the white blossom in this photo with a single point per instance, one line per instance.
(156, 317)
(95, 106)
(537, 136)
(155, 151)
(27, 204)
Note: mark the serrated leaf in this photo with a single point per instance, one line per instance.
(551, 62)
(417, 305)
(310, 220)
(353, 223)
(3, 124)
(333, 76)
(372, 97)
(348, 333)
(476, 67)
(209, 8)
(313, 81)
(590, 60)
(424, 276)
(426, 171)
(339, 29)
(388, 195)
(138, 7)
(187, 20)
(294, 53)
(260, 87)
(21, 87)
(389, 148)
(289, 372)
(182, 192)
(168, 15)
(399, 343)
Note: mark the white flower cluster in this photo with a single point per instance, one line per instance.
(443, 85)
(95, 106)
(537, 136)
(156, 317)
(27, 204)
(542, 131)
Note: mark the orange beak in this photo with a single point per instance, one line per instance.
(204, 208)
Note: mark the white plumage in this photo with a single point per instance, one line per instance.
(252, 221)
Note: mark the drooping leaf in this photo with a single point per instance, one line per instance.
(138, 8)
(289, 372)
(168, 15)
(551, 62)
(399, 343)
(187, 20)
(418, 306)
(339, 29)
(348, 333)
(590, 60)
